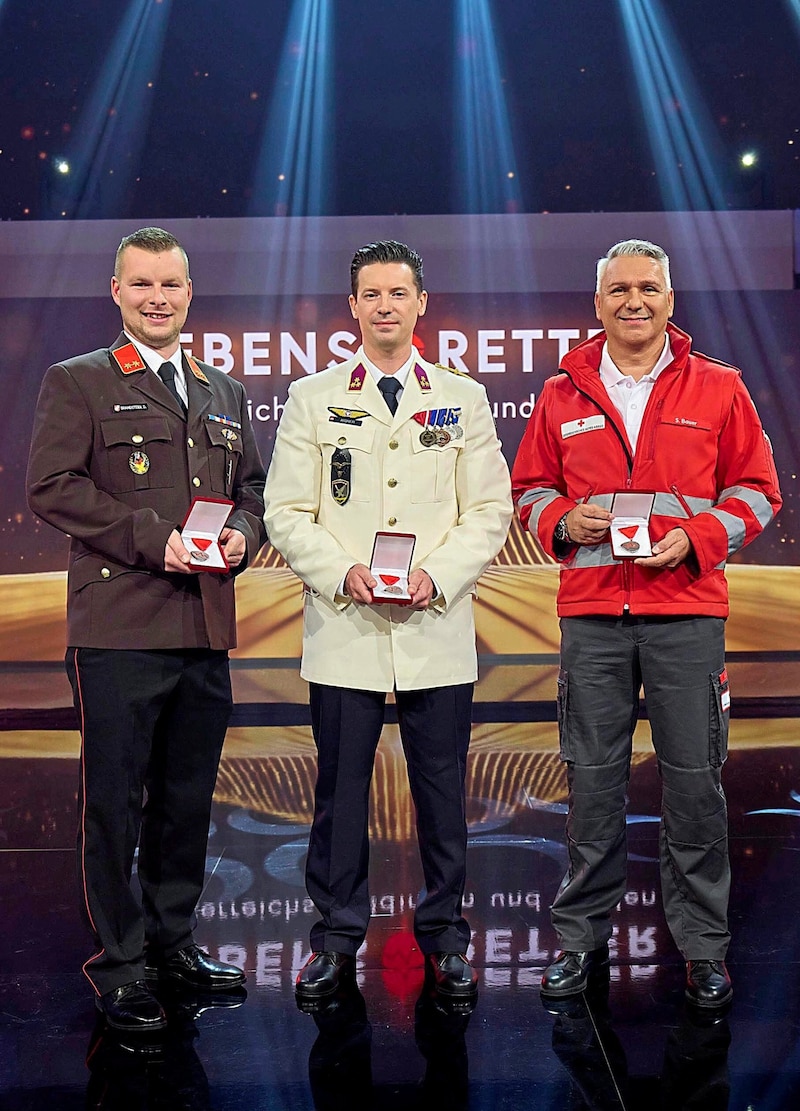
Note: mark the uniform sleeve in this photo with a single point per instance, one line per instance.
(62, 491)
(537, 477)
(292, 503)
(747, 483)
(483, 492)
(248, 489)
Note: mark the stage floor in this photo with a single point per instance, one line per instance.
(634, 1045)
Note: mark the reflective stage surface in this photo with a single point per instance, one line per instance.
(631, 1042)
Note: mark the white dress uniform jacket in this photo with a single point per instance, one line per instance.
(455, 498)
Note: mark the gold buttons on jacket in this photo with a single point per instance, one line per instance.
(393, 444)
(137, 439)
(342, 440)
(190, 442)
(392, 482)
(105, 573)
(195, 481)
(392, 520)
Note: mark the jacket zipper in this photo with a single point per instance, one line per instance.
(626, 571)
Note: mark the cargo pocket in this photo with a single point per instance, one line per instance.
(719, 717)
(564, 747)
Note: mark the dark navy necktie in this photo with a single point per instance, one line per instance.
(389, 387)
(166, 372)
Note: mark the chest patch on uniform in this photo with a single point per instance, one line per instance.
(582, 424)
(346, 416)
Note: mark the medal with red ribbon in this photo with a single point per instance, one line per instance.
(629, 531)
(199, 552)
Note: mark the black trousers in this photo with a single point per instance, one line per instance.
(152, 728)
(680, 662)
(435, 732)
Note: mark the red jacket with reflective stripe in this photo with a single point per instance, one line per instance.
(701, 448)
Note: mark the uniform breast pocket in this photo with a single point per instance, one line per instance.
(433, 471)
(139, 453)
(349, 470)
(224, 455)
(680, 438)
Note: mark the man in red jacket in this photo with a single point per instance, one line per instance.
(634, 409)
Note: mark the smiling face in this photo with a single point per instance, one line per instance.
(153, 293)
(387, 306)
(633, 304)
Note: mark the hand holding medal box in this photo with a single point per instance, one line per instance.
(391, 565)
(201, 531)
(630, 524)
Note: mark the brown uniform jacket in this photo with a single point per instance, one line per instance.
(115, 466)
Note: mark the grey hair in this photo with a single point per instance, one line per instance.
(641, 247)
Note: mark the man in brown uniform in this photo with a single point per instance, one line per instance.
(124, 438)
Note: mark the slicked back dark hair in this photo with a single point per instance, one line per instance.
(155, 240)
(385, 250)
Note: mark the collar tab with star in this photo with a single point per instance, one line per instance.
(128, 359)
(195, 369)
(358, 376)
(421, 376)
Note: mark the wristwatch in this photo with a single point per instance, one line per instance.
(561, 533)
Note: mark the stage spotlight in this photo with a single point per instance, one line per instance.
(62, 166)
(748, 159)
(292, 175)
(486, 169)
(107, 141)
(686, 148)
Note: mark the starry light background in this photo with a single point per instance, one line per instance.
(151, 110)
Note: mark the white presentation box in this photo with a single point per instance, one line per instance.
(630, 524)
(391, 565)
(201, 530)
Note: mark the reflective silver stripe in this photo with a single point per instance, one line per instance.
(665, 504)
(757, 501)
(670, 505)
(734, 527)
(539, 498)
(598, 555)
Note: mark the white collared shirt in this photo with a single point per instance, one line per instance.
(400, 375)
(629, 396)
(155, 361)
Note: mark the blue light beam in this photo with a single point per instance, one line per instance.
(686, 150)
(292, 175)
(794, 8)
(486, 171)
(106, 146)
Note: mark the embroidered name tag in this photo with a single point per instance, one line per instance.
(583, 424)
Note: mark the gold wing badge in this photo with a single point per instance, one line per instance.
(346, 416)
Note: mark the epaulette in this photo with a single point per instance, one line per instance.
(453, 370)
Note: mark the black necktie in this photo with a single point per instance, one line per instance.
(166, 372)
(389, 387)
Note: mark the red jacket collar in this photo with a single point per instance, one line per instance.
(584, 359)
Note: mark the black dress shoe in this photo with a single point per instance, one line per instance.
(452, 975)
(570, 972)
(132, 1008)
(708, 983)
(321, 976)
(192, 967)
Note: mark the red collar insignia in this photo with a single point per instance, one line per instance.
(128, 359)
